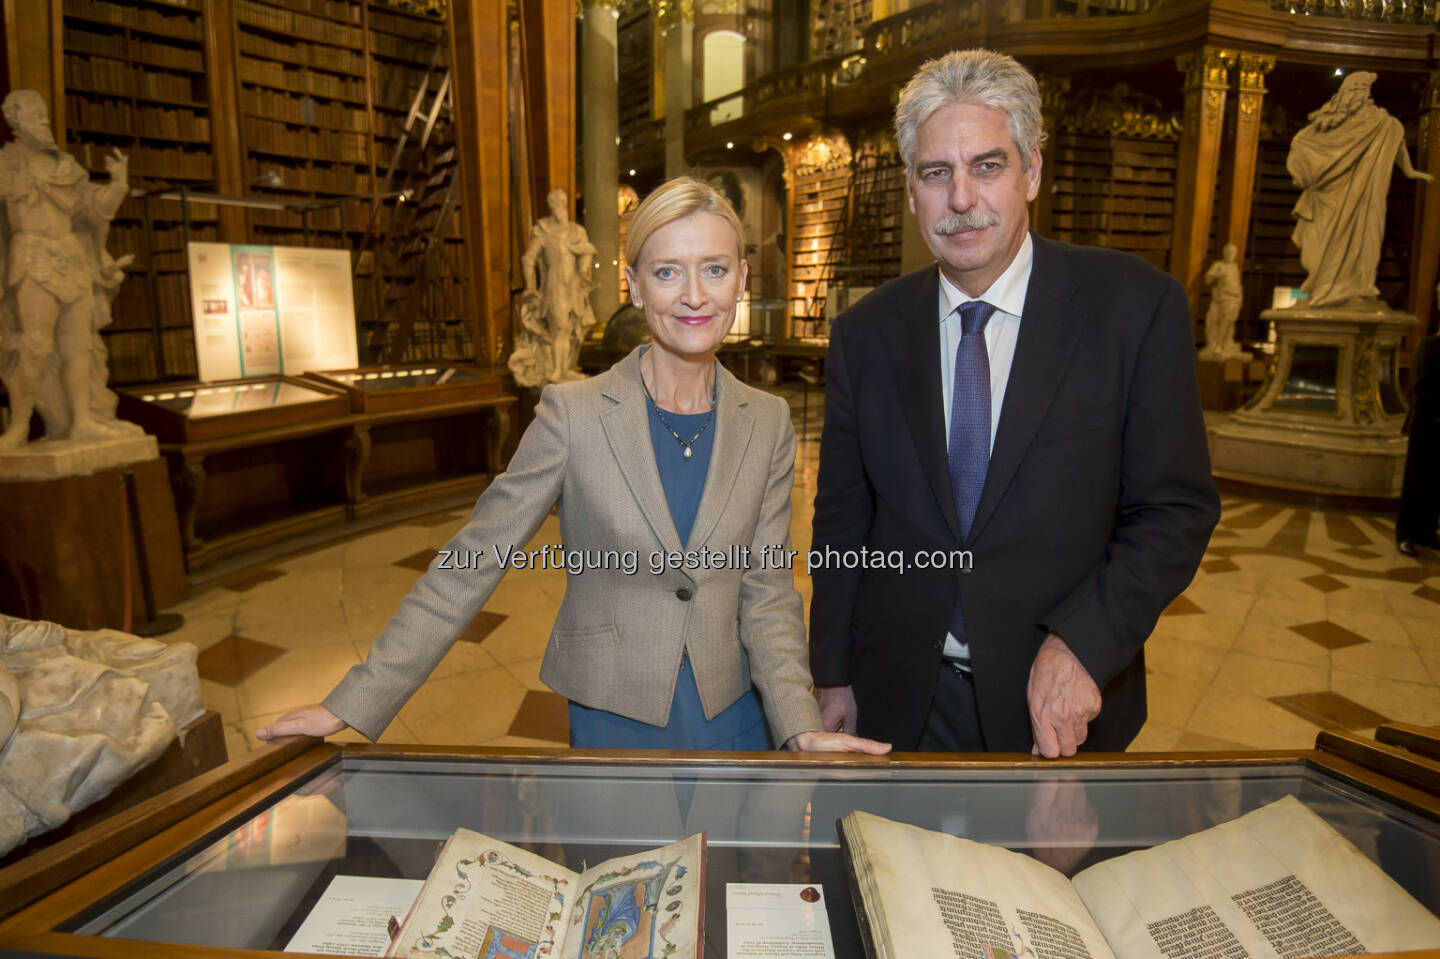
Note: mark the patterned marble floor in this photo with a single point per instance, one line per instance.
(1298, 620)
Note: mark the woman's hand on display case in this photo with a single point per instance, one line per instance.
(313, 720)
(835, 743)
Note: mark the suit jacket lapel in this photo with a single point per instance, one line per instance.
(1048, 332)
(733, 426)
(627, 429)
(914, 343)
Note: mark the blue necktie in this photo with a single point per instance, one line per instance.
(969, 425)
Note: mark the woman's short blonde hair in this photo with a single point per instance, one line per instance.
(672, 201)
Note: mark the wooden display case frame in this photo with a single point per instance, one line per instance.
(41, 893)
(171, 427)
(489, 382)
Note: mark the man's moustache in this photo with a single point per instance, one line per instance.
(956, 222)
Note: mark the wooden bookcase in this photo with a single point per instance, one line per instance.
(317, 91)
(303, 80)
(409, 51)
(1115, 191)
(136, 80)
(816, 247)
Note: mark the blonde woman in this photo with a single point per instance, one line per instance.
(667, 470)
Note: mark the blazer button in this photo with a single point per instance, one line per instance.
(683, 594)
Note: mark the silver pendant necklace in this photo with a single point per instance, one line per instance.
(684, 443)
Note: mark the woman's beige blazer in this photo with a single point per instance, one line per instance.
(618, 638)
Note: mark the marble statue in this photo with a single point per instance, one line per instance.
(555, 311)
(81, 712)
(56, 282)
(1342, 162)
(1226, 295)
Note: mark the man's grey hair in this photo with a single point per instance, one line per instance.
(15, 101)
(977, 76)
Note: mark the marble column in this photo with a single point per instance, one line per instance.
(1239, 188)
(600, 154)
(677, 20)
(1207, 73)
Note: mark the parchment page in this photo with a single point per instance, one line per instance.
(648, 904)
(485, 897)
(1278, 881)
(931, 894)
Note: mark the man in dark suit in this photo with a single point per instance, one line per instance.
(1030, 402)
(1420, 492)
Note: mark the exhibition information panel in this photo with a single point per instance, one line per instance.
(253, 882)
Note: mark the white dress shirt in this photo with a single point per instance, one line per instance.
(1007, 295)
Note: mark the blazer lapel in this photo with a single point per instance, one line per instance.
(914, 343)
(1049, 331)
(627, 429)
(733, 426)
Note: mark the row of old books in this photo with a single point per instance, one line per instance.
(268, 136)
(148, 19)
(303, 109)
(295, 24)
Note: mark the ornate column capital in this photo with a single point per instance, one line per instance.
(1253, 69)
(1208, 67)
(669, 13)
(1053, 90)
(1430, 96)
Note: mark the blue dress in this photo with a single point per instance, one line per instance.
(740, 725)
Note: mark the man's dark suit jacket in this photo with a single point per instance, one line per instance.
(1096, 509)
(1420, 494)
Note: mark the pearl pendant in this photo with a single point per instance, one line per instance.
(687, 452)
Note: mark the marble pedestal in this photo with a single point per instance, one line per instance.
(52, 459)
(1329, 416)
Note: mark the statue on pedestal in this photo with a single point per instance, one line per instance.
(1226, 295)
(1342, 160)
(56, 282)
(555, 311)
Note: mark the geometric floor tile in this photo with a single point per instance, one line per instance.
(1181, 606)
(1329, 710)
(235, 659)
(1255, 517)
(1222, 565)
(419, 562)
(481, 626)
(1343, 530)
(1292, 535)
(1221, 532)
(244, 582)
(1408, 574)
(1428, 592)
(1323, 582)
(1328, 634)
(1355, 552)
(543, 715)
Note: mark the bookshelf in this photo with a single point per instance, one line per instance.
(817, 246)
(302, 77)
(412, 255)
(316, 91)
(136, 80)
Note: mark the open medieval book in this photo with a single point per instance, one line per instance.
(488, 898)
(1277, 882)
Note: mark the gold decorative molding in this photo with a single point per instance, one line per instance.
(609, 6)
(1118, 112)
(1053, 91)
(670, 13)
(1208, 68)
(1253, 69)
(1368, 408)
(720, 8)
(1430, 98)
(823, 151)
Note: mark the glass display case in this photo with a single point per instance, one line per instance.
(241, 863)
(376, 389)
(192, 412)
